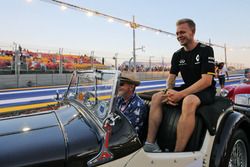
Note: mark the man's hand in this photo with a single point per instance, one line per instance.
(167, 101)
(174, 96)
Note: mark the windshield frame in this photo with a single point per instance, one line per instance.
(114, 91)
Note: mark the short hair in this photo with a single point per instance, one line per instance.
(190, 23)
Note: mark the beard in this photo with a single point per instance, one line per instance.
(122, 93)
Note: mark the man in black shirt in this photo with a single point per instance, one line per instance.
(195, 62)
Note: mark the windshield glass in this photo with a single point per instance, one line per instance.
(94, 89)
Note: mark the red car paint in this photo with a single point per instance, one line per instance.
(242, 88)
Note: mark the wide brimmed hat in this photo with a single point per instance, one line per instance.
(129, 78)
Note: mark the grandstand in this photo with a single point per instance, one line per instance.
(46, 62)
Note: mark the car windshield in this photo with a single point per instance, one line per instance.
(95, 89)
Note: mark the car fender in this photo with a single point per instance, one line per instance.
(229, 124)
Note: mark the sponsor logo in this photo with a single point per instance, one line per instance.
(182, 62)
(210, 58)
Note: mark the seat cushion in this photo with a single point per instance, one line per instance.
(206, 118)
(211, 113)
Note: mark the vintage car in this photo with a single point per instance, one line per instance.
(230, 91)
(85, 128)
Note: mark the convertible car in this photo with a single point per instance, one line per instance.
(85, 128)
(232, 91)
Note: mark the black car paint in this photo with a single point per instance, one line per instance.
(61, 137)
(42, 143)
(230, 123)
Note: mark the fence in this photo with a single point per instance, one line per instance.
(28, 80)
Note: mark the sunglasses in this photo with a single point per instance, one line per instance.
(122, 84)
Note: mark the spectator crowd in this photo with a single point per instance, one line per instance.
(31, 61)
(143, 68)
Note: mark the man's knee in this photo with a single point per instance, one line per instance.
(191, 101)
(190, 104)
(157, 97)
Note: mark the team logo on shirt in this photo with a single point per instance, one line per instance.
(197, 58)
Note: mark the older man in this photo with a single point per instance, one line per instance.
(129, 103)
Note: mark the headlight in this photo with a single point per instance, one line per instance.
(242, 99)
(224, 92)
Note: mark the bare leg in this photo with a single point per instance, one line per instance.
(186, 122)
(155, 116)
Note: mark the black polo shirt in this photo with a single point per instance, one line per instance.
(192, 64)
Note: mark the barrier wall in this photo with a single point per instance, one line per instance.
(28, 80)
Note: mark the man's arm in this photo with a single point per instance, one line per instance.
(171, 81)
(203, 83)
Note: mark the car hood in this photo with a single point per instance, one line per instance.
(237, 89)
(46, 137)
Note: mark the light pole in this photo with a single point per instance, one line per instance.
(162, 63)
(142, 48)
(17, 62)
(115, 58)
(150, 68)
(225, 51)
(92, 59)
(61, 59)
(133, 26)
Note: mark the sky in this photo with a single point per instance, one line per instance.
(39, 25)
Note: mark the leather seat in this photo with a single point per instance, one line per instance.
(166, 137)
(206, 119)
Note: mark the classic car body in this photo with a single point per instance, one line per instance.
(231, 91)
(85, 128)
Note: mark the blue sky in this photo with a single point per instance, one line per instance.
(40, 25)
